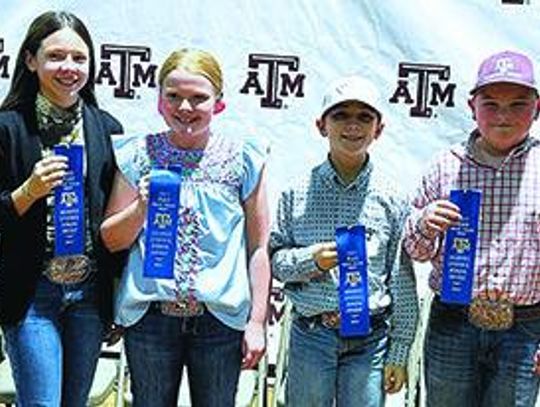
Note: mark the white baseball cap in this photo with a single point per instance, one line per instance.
(350, 88)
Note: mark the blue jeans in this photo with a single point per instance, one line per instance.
(467, 366)
(158, 347)
(324, 367)
(54, 350)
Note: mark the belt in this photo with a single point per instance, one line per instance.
(521, 312)
(329, 319)
(175, 309)
(332, 319)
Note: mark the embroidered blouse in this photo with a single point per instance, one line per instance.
(211, 257)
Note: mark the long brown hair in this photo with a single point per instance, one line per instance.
(25, 84)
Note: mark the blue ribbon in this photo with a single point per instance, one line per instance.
(162, 223)
(460, 249)
(353, 281)
(69, 204)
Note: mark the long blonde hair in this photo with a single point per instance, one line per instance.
(197, 62)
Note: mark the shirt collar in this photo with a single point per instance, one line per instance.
(332, 179)
(466, 148)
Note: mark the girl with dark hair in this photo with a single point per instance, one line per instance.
(55, 304)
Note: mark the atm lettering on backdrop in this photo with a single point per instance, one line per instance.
(4, 61)
(131, 72)
(424, 86)
(274, 77)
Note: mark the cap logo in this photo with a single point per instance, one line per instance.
(504, 65)
(351, 88)
(341, 88)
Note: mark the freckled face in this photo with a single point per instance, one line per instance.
(187, 103)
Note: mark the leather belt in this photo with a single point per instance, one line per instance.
(178, 309)
(332, 320)
(521, 312)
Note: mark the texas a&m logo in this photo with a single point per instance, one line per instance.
(162, 220)
(461, 245)
(282, 79)
(69, 199)
(515, 1)
(4, 60)
(130, 73)
(276, 306)
(423, 86)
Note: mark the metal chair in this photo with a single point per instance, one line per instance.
(280, 383)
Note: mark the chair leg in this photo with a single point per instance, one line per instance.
(121, 379)
(262, 389)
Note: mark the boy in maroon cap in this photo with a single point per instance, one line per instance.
(483, 353)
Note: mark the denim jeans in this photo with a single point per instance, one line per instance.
(467, 367)
(323, 367)
(158, 347)
(54, 350)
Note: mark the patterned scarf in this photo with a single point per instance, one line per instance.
(55, 123)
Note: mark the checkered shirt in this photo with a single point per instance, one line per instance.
(309, 213)
(508, 249)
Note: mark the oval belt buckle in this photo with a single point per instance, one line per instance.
(492, 315)
(68, 269)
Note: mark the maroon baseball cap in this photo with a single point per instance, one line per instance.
(506, 67)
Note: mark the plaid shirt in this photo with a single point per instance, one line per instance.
(310, 211)
(508, 249)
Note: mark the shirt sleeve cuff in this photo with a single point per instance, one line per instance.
(294, 265)
(8, 213)
(306, 265)
(398, 353)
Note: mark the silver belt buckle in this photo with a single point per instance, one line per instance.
(68, 269)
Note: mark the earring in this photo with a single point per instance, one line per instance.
(219, 106)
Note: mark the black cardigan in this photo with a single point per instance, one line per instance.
(22, 238)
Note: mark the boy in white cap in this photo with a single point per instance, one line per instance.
(346, 189)
(483, 353)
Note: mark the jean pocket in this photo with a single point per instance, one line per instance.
(209, 325)
(306, 324)
(529, 328)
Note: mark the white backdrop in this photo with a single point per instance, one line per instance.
(296, 47)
